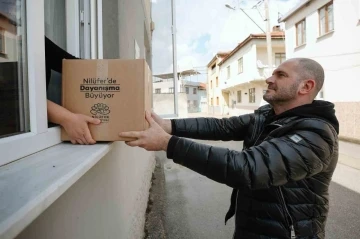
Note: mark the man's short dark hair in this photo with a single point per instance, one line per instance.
(310, 69)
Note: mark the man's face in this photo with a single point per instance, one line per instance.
(282, 85)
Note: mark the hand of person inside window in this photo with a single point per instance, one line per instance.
(77, 128)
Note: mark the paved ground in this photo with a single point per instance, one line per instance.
(187, 205)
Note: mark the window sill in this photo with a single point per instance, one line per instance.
(33, 183)
(4, 55)
(300, 47)
(21, 145)
(328, 34)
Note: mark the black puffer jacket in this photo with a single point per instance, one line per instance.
(282, 176)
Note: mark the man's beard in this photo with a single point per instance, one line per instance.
(282, 95)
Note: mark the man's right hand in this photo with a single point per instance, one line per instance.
(76, 126)
(164, 123)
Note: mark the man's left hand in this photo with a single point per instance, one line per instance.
(152, 139)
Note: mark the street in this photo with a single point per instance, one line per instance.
(194, 206)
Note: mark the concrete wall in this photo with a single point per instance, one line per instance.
(164, 104)
(109, 201)
(348, 114)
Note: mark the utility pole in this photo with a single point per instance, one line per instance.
(173, 30)
(268, 36)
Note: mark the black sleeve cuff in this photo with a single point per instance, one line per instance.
(173, 127)
(171, 147)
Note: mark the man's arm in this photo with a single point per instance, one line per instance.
(272, 163)
(233, 128)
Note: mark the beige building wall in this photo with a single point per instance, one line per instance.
(8, 30)
(214, 90)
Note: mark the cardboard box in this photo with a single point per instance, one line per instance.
(115, 91)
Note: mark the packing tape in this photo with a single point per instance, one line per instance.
(102, 69)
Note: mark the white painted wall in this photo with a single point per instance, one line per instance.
(338, 52)
(245, 95)
(262, 54)
(248, 52)
(109, 201)
(252, 52)
(164, 86)
(164, 104)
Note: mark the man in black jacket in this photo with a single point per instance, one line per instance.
(282, 176)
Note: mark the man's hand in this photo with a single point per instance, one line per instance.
(76, 126)
(165, 124)
(152, 139)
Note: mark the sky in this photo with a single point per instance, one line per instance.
(205, 27)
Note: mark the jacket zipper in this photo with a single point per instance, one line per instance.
(237, 191)
(282, 199)
(292, 229)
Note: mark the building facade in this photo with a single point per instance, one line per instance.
(328, 32)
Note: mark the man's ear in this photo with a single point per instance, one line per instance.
(307, 86)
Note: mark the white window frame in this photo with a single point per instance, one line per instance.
(303, 32)
(358, 13)
(73, 29)
(240, 65)
(278, 55)
(15, 147)
(40, 136)
(238, 96)
(326, 29)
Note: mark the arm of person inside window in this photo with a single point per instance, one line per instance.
(75, 125)
(54, 56)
